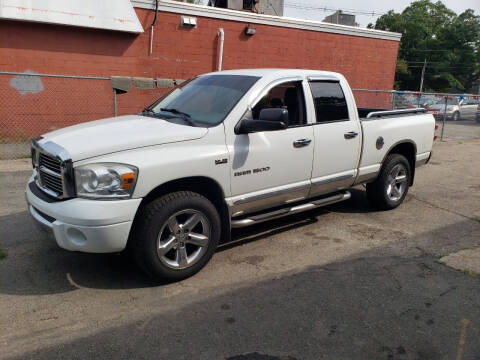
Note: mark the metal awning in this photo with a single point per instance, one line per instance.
(116, 15)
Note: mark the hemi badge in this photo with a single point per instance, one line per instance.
(222, 161)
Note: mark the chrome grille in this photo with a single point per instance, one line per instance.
(51, 181)
(50, 163)
(54, 170)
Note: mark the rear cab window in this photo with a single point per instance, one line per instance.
(330, 102)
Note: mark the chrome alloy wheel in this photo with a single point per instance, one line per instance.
(397, 182)
(183, 239)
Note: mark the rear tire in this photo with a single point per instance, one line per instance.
(176, 235)
(390, 188)
(456, 116)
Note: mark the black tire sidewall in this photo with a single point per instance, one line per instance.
(159, 214)
(391, 162)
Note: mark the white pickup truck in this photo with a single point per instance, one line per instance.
(222, 150)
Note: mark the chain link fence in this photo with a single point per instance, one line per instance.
(458, 115)
(33, 104)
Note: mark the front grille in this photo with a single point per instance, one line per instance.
(54, 170)
(50, 173)
(50, 163)
(51, 182)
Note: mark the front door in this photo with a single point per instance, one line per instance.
(273, 168)
(337, 139)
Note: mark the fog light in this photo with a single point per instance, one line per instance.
(76, 236)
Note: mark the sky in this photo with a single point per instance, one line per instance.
(315, 9)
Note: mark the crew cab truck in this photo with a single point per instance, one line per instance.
(222, 150)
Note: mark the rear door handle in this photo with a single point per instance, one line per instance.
(301, 143)
(350, 135)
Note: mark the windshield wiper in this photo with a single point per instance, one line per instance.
(175, 111)
(183, 115)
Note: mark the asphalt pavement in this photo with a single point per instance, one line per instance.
(343, 282)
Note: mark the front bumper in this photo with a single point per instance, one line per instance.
(92, 226)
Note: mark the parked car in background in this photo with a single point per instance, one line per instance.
(456, 109)
(478, 113)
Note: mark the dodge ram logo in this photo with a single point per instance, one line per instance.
(254, 171)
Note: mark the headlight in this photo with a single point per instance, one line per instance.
(105, 181)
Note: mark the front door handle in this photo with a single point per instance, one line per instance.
(350, 135)
(301, 143)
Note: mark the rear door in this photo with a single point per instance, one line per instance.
(337, 136)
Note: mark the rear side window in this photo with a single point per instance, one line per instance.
(329, 100)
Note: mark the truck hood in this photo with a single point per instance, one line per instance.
(128, 132)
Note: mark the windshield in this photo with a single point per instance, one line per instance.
(205, 100)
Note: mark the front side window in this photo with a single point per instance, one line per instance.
(329, 100)
(288, 96)
(203, 101)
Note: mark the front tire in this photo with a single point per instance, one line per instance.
(389, 190)
(176, 235)
(456, 116)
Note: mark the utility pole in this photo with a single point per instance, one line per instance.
(423, 74)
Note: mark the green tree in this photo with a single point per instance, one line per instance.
(449, 42)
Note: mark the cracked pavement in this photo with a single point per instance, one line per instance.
(343, 282)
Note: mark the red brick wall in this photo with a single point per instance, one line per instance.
(177, 53)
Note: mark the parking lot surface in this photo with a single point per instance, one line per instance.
(343, 282)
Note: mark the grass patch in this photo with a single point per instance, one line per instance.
(439, 260)
(471, 273)
(3, 254)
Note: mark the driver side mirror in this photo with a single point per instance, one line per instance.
(270, 120)
(274, 114)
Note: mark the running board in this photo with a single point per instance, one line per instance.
(290, 210)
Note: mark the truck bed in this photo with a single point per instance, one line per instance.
(368, 113)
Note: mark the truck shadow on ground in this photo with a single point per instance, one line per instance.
(36, 265)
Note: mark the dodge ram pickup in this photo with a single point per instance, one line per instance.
(222, 150)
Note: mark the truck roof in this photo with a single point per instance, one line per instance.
(278, 73)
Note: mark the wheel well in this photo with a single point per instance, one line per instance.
(202, 185)
(407, 149)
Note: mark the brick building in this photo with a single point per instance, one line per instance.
(366, 57)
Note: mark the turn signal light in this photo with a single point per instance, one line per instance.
(127, 180)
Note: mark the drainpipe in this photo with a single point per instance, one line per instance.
(152, 28)
(221, 34)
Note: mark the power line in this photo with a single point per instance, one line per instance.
(371, 13)
(436, 62)
(329, 9)
(444, 67)
(435, 50)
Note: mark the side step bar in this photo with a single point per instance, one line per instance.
(256, 219)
